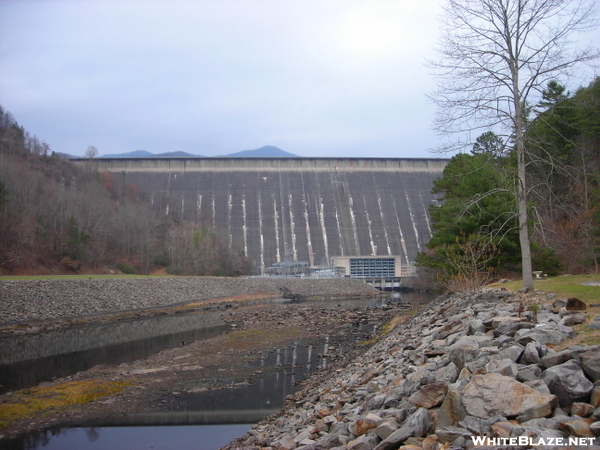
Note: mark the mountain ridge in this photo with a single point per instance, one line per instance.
(267, 151)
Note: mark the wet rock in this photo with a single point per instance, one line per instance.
(568, 382)
(481, 398)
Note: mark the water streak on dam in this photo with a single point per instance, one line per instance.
(309, 209)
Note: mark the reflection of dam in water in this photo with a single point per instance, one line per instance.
(308, 209)
(283, 368)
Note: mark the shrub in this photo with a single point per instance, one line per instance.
(126, 268)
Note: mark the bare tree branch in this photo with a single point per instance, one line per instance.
(494, 58)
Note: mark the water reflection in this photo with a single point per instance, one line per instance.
(26, 361)
(283, 368)
(207, 437)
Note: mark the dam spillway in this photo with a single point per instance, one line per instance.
(301, 209)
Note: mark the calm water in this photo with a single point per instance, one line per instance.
(198, 437)
(206, 420)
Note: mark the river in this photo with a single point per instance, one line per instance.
(204, 420)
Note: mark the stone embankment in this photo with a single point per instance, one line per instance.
(463, 367)
(33, 300)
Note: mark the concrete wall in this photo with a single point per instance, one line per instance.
(308, 208)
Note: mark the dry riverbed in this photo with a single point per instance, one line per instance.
(156, 382)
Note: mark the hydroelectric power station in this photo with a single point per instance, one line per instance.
(295, 209)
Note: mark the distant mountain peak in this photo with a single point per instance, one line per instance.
(268, 151)
(133, 154)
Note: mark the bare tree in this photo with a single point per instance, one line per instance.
(91, 152)
(495, 56)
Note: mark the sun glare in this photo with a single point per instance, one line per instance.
(372, 31)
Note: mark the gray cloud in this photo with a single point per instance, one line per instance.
(322, 78)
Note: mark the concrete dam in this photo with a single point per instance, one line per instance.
(293, 209)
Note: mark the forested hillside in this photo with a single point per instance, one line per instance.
(55, 217)
(475, 228)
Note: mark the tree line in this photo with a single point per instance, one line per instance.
(55, 215)
(475, 228)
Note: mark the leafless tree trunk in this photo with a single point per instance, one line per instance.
(495, 58)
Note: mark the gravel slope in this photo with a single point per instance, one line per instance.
(22, 301)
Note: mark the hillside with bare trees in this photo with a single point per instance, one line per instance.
(56, 218)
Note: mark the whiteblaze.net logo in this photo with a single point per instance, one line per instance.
(534, 442)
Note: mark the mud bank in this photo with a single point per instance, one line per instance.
(158, 382)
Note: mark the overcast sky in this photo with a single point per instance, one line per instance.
(211, 77)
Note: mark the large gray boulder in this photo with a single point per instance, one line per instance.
(493, 394)
(466, 349)
(590, 362)
(502, 366)
(510, 326)
(595, 324)
(568, 382)
(452, 410)
(513, 352)
(531, 354)
(554, 359)
(544, 334)
(417, 424)
(431, 395)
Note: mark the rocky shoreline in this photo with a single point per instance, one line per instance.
(465, 368)
(39, 300)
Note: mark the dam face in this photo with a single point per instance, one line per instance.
(301, 209)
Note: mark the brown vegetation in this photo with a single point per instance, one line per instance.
(58, 218)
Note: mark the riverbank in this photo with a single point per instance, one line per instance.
(48, 299)
(495, 365)
(159, 382)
